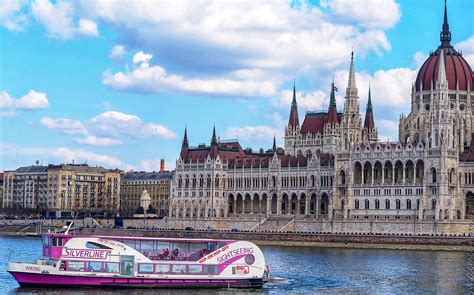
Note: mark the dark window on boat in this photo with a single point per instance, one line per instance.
(145, 268)
(56, 242)
(210, 269)
(221, 244)
(211, 246)
(94, 266)
(94, 245)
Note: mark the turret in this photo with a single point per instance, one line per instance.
(369, 132)
(332, 111)
(185, 144)
(293, 122)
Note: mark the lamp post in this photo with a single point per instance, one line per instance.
(145, 203)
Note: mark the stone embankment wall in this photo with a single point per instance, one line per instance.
(447, 227)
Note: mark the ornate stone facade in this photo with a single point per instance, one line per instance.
(333, 167)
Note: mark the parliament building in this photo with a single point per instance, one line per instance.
(333, 165)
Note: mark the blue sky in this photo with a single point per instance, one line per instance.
(114, 83)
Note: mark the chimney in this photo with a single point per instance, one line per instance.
(162, 165)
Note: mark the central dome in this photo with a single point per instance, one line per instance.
(458, 72)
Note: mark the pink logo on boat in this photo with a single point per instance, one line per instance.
(87, 254)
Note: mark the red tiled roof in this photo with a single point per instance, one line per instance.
(369, 121)
(314, 122)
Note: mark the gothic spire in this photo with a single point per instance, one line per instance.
(294, 105)
(369, 102)
(442, 81)
(445, 35)
(185, 138)
(274, 144)
(352, 77)
(332, 100)
(293, 122)
(369, 122)
(214, 138)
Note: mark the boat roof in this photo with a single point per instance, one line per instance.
(138, 238)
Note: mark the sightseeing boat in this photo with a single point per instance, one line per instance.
(137, 262)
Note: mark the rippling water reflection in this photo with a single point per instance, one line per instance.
(310, 270)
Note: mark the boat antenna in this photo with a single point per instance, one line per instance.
(69, 227)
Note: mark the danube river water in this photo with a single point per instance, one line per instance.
(306, 270)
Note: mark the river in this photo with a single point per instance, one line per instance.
(306, 270)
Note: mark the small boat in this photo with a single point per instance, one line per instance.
(138, 262)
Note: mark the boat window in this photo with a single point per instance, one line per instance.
(211, 246)
(162, 268)
(45, 241)
(210, 269)
(162, 245)
(195, 269)
(178, 268)
(94, 266)
(130, 243)
(221, 244)
(145, 268)
(146, 245)
(57, 241)
(94, 245)
(111, 267)
(75, 265)
(62, 266)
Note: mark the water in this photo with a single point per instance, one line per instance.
(305, 270)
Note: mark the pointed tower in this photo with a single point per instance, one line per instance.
(293, 122)
(214, 144)
(292, 130)
(351, 123)
(445, 35)
(274, 148)
(369, 131)
(332, 111)
(185, 144)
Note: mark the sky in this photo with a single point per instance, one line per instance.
(114, 83)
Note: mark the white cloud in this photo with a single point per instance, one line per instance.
(107, 128)
(141, 58)
(382, 14)
(80, 155)
(311, 101)
(63, 154)
(31, 100)
(59, 20)
(64, 125)
(98, 141)
(252, 133)
(117, 52)
(390, 88)
(467, 49)
(154, 79)
(113, 123)
(11, 16)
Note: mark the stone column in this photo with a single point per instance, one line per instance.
(404, 172)
(383, 175)
(393, 174)
(306, 206)
(251, 204)
(316, 206)
(234, 209)
(373, 169)
(279, 204)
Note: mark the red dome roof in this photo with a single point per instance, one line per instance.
(457, 70)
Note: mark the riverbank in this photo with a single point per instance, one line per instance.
(392, 242)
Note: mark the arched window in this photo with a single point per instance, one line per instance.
(377, 204)
(433, 204)
(366, 204)
(408, 204)
(387, 204)
(356, 204)
(397, 204)
(433, 175)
